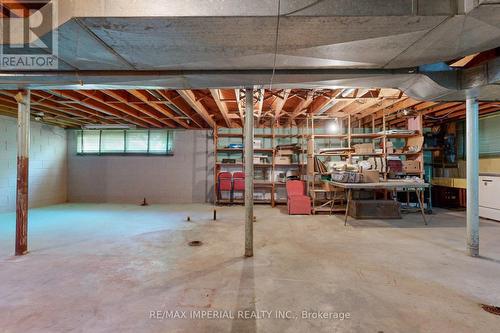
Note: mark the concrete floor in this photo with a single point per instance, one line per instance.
(104, 268)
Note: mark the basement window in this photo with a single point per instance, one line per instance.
(125, 142)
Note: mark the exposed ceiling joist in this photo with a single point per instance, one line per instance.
(280, 103)
(240, 106)
(216, 94)
(122, 97)
(98, 106)
(145, 97)
(190, 98)
(302, 106)
(176, 101)
(98, 96)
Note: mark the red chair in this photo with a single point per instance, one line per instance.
(298, 203)
(238, 182)
(224, 184)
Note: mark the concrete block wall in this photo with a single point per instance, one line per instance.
(47, 167)
(186, 177)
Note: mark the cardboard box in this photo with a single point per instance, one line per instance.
(389, 147)
(371, 176)
(283, 152)
(282, 160)
(411, 166)
(260, 160)
(363, 148)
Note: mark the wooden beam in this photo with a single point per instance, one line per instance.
(98, 96)
(240, 107)
(260, 104)
(302, 106)
(216, 93)
(280, 103)
(122, 96)
(59, 117)
(189, 97)
(146, 98)
(343, 103)
(101, 107)
(178, 102)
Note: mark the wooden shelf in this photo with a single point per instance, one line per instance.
(403, 154)
(289, 164)
(263, 183)
(366, 136)
(367, 154)
(372, 135)
(230, 135)
(332, 154)
(240, 150)
(229, 164)
(329, 136)
(401, 136)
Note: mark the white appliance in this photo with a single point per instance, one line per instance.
(489, 196)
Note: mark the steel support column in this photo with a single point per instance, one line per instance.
(249, 172)
(23, 144)
(472, 156)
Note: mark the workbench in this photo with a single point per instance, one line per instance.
(390, 185)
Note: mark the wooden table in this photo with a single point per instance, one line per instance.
(396, 185)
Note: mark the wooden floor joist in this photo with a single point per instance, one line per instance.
(210, 108)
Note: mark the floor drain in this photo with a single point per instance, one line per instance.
(491, 309)
(195, 243)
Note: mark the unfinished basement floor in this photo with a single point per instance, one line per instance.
(105, 268)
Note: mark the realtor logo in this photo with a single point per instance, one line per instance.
(29, 36)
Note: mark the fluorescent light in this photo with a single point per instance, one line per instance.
(109, 126)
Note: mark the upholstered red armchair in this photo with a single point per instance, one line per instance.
(297, 201)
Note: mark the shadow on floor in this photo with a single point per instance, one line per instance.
(246, 299)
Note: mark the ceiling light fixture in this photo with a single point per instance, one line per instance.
(333, 126)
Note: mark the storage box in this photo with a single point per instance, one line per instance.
(260, 160)
(257, 144)
(282, 160)
(389, 147)
(374, 209)
(363, 148)
(411, 166)
(371, 176)
(283, 152)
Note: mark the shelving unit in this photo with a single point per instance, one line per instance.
(275, 189)
(347, 137)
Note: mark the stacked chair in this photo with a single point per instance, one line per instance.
(231, 183)
(225, 184)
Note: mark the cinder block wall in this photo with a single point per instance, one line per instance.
(47, 167)
(186, 177)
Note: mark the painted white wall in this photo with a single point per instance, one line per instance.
(47, 165)
(186, 177)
